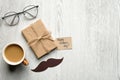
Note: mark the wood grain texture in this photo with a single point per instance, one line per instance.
(93, 26)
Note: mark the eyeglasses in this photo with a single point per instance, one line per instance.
(12, 18)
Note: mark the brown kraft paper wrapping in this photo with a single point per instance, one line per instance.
(39, 39)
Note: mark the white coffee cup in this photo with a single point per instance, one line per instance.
(22, 60)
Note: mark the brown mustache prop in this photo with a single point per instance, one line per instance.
(46, 64)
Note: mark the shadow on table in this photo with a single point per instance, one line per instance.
(1, 22)
(16, 68)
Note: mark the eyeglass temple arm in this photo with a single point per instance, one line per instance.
(8, 16)
(13, 20)
(31, 8)
(30, 14)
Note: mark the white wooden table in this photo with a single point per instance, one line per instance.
(93, 26)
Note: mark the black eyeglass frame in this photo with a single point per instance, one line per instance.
(23, 12)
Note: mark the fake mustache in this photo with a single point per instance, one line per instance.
(46, 64)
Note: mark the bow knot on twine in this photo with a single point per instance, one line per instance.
(40, 38)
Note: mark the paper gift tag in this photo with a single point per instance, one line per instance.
(64, 43)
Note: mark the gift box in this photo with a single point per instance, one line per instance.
(39, 39)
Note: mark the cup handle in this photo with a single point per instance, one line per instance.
(25, 62)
